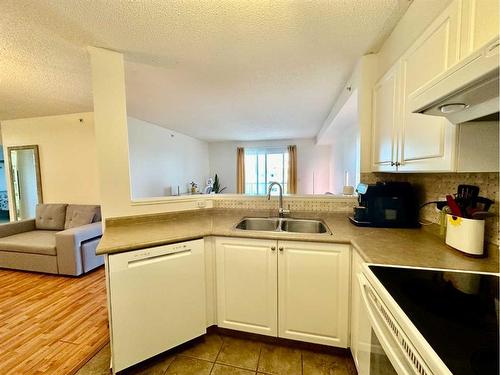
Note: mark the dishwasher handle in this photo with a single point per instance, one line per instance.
(151, 255)
(158, 258)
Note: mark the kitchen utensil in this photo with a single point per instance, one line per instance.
(481, 205)
(466, 197)
(467, 190)
(470, 211)
(481, 215)
(455, 209)
(484, 203)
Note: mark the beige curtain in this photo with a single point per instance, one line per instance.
(240, 170)
(292, 169)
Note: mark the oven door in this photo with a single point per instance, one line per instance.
(383, 347)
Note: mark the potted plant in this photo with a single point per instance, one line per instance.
(216, 189)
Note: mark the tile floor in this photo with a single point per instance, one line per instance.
(221, 355)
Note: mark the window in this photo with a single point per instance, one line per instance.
(263, 166)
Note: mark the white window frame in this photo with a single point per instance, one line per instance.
(267, 150)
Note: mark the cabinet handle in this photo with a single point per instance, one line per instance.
(281, 248)
(273, 248)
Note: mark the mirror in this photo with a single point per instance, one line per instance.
(183, 133)
(25, 183)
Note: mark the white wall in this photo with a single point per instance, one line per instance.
(343, 134)
(162, 159)
(354, 105)
(68, 155)
(478, 147)
(110, 114)
(345, 158)
(311, 158)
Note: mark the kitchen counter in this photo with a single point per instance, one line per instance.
(406, 247)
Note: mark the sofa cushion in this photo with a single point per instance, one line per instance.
(79, 218)
(50, 216)
(98, 216)
(81, 214)
(35, 242)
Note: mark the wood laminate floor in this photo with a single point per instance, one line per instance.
(51, 324)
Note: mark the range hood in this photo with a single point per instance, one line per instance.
(466, 92)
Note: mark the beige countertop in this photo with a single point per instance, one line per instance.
(406, 247)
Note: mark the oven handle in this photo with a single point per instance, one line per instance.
(386, 339)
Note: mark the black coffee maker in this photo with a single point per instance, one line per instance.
(386, 205)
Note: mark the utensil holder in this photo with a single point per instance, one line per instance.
(466, 235)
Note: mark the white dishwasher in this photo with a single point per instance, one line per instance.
(157, 300)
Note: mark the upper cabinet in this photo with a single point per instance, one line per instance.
(410, 142)
(385, 115)
(425, 142)
(479, 24)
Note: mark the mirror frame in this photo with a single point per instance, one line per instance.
(38, 174)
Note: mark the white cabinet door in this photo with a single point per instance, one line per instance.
(480, 23)
(427, 143)
(313, 289)
(356, 262)
(247, 285)
(385, 120)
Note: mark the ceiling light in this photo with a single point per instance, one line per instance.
(453, 107)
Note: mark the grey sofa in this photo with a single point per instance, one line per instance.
(62, 239)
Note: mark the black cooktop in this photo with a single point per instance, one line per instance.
(456, 312)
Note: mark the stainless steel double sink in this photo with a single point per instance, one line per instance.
(289, 225)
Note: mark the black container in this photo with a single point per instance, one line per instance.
(386, 205)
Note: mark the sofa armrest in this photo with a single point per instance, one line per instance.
(68, 242)
(17, 227)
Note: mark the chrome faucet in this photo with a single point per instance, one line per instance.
(281, 211)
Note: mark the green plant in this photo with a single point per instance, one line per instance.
(216, 186)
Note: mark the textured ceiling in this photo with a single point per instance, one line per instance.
(212, 69)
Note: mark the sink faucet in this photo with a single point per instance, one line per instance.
(281, 211)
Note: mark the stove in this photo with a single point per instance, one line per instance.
(456, 312)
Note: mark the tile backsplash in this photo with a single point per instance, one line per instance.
(435, 186)
(323, 204)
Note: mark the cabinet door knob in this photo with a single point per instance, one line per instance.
(273, 248)
(281, 248)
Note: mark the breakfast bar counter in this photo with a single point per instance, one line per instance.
(404, 247)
